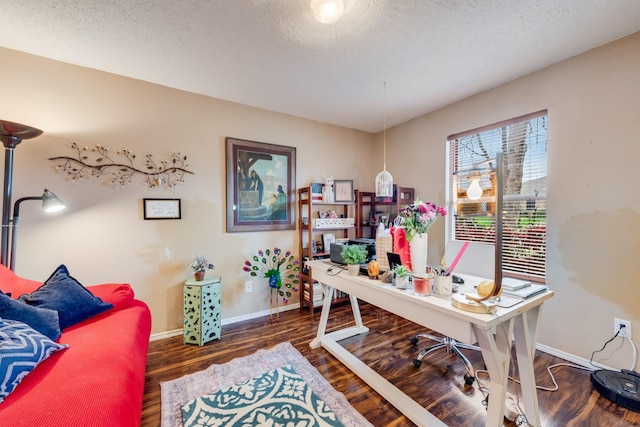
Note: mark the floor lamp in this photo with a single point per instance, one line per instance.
(12, 134)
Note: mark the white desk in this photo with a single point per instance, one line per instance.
(490, 331)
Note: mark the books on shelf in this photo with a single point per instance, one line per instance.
(316, 191)
(318, 295)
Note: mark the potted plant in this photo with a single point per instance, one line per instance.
(354, 255)
(402, 276)
(199, 265)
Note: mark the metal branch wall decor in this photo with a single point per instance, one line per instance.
(120, 166)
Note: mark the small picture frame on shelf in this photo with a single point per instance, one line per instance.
(373, 218)
(343, 191)
(383, 219)
(327, 240)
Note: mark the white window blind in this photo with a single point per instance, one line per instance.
(523, 142)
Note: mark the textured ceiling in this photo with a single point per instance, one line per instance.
(273, 55)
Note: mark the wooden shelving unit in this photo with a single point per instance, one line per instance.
(310, 290)
(366, 202)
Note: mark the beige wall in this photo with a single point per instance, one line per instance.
(102, 236)
(593, 241)
(593, 201)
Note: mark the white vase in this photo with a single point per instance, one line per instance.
(418, 248)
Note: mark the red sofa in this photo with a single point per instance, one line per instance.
(99, 379)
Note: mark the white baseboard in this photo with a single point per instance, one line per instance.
(545, 349)
(229, 321)
(571, 357)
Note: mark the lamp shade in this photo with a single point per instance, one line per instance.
(51, 202)
(327, 11)
(474, 192)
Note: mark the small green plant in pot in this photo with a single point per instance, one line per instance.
(402, 276)
(354, 255)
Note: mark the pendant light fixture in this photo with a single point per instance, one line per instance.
(327, 11)
(474, 192)
(384, 180)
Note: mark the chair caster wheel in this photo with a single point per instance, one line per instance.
(417, 363)
(468, 379)
(414, 340)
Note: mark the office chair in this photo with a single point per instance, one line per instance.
(477, 260)
(450, 345)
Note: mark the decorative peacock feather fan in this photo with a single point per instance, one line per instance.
(279, 269)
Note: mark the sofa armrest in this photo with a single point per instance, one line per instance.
(121, 295)
(10, 283)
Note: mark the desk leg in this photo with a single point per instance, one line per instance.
(342, 333)
(356, 311)
(324, 316)
(496, 354)
(526, 334)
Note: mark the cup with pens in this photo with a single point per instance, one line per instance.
(443, 283)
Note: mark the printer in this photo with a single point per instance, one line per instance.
(335, 249)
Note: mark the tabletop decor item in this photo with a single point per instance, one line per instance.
(373, 269)
(199, 265)
(423, 283)
(416, 219)
(354, 255)
(280, 270)
(402, 276)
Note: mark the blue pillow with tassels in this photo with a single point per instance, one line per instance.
(63, 293)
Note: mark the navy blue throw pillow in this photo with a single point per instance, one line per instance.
(42, 320)
(63, 293)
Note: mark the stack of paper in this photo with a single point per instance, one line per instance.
(525, 292)
(511, 284)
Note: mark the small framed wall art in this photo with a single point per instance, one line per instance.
(343, 189)
(327, 240)
(161, 208)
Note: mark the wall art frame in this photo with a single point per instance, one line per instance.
(162, 209)
(260, 186)
(343, 191)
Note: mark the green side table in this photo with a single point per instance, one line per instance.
(202, 313)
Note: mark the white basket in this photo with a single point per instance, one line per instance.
(333, 222)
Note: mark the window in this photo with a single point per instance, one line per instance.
(523, 143)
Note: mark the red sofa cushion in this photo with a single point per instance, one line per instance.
(120, 295)
(99, 380)
(14, 284)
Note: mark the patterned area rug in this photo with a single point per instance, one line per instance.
(196, 394)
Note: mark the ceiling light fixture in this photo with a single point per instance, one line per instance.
(384, 180)
(327, 11)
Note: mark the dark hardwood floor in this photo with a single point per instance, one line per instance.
(438, 384)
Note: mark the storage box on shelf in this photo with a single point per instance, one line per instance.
(311, 229)
(367, 203)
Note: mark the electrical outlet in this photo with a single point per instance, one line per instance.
(248, 286)
(626, 331)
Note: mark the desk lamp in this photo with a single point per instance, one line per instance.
(484, 300)
(50, 203)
